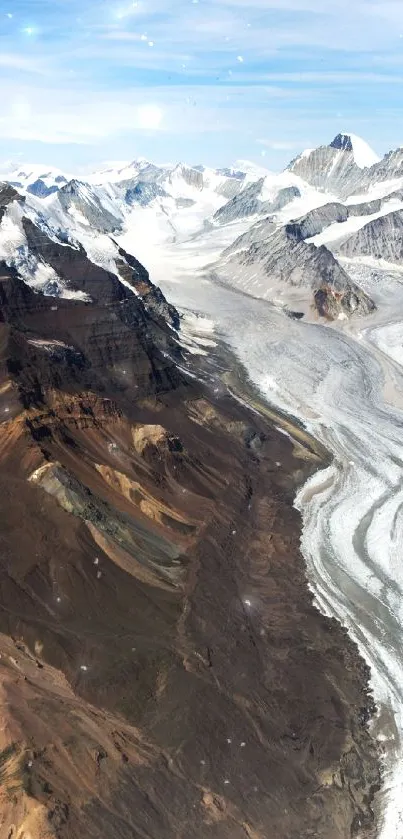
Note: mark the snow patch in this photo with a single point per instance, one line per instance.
(340, 230)
(364, 156)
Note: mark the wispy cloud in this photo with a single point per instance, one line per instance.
(222, 72)
(80, 118)
(24, 64)
(277, 145)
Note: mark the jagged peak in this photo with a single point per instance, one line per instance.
(364, 156)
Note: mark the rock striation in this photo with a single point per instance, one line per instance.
(278, 264)
(163, 670)
(249, 202)
(381, 238)
(317, 220)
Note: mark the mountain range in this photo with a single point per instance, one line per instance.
(164, 671)
(271, 221)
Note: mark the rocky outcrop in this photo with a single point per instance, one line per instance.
(317, 220)
(230, 187)
(87, 201)
(71, 264)
(258, 232)
(283, 197)
(191, 177)
(40, 189)
(381, 238)
(332, 168)
(279, 265)
(113, 346)
(152, 296)
(7, 195)
(396, 195)
(184, 203)
(389, 168)
(366, 208)
(143, 193)
(162, 666)
(246, 203)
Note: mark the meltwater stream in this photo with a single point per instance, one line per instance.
(336, 383)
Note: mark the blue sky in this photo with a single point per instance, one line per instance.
(85, 83)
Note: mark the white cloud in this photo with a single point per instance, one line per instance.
(82, 116)
(150, 116)
(16, 61)
(21, 111)
(88, 98)
(278, 145)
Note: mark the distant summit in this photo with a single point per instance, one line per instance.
(337, 167)
(364, 156)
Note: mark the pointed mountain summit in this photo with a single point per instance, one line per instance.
(340, 167)
(364, 156)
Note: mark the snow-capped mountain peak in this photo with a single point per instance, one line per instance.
(364, 156)
(252, 170)
(121, 172)
(36, 178)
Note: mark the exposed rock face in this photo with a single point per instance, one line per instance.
(396, 195)
(88, 202)
(330, 168)
(184, 203)
(230, 187)
(73, 267)
(259, 232)
(299, 263)
(112, 346)
(143, 193)
(231, 173)
(163, 671)
(283, 197)
(192, 177)
(249, 202)
(381, 238)
(281, 258)
(317, 220)
(366, 208)
(390, 167)
(7, 195)
(40, 189)
(152, 296)
(342, 142)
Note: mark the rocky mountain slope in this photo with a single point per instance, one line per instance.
(348, 166)
(249, 202)
(333, 167)
(381, 238)
(317, 220)
(163, 671)
(284, 260)
(143, 205)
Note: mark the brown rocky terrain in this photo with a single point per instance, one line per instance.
(163, 672)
